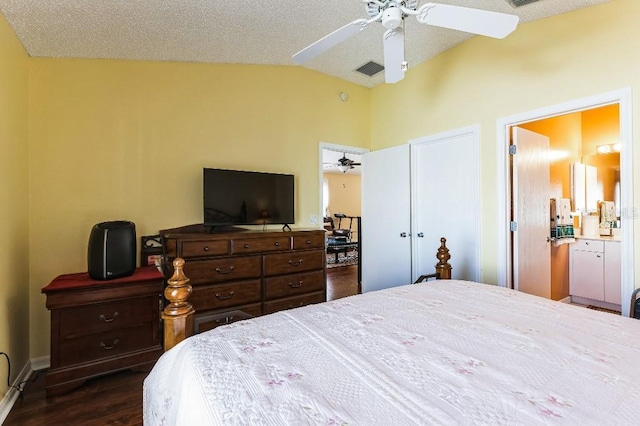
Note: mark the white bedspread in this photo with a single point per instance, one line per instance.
(442, 352)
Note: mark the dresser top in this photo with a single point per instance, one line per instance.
(82, 280)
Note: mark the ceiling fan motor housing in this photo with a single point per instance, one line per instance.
(392, 17)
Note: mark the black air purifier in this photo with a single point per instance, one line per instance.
(112, 250)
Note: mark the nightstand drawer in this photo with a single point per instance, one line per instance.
(261, 245)
(588, 245)
(294, 284)
(293, 302)
(104, 345)
(219, 270)
(208, 298)
(288, 263)
(101, 317)
(204, 248)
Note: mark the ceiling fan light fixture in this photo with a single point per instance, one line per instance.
(343, 168)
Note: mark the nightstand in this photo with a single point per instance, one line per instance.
(99, 327)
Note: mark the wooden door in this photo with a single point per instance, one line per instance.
(385, 242)
(531, 213)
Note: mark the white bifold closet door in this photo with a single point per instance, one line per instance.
(413, 195)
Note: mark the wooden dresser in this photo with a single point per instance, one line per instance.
(240, 275)
(98, 327)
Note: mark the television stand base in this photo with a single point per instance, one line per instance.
(286, 227)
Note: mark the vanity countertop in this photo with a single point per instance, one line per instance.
(599, 237)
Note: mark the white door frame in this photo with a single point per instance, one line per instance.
(331, 147)
(623, 97)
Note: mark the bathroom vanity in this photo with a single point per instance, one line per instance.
(594, 271)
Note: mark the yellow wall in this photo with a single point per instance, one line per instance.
(344, 197)
(543, 63)
(14, 198)
(115, 140)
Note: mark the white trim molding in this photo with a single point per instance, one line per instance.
(623, 97)
(12, 395)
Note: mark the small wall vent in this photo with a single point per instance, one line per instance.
(370, 68)
(518, 3)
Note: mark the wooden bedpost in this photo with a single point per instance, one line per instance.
(178, 314)
(443, 268)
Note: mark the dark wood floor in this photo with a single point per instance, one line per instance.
(116, 399)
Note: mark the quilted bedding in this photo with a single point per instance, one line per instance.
(442, 352)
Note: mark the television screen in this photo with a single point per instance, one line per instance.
(235, 197)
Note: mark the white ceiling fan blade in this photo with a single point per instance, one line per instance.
(476, 21)
(393, 43)
(329, 41)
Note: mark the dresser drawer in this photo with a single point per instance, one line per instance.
(104, 345)
(208, 321)
(208, 298)
(293, 285)
(588, 245)
(204, 248)
(293, 302)
(287, 263)
(261, 245)
(219, 270)
(101, 317)
(309, 241)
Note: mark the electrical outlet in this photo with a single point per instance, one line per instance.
(313, 219)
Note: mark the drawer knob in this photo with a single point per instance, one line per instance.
(295, 262)
(225, 271)
(222, 297)
(308, 241)
(247, 246)
(107, 348)
(105, 319)
(205, 248)
(295, 285)
(277, 244)
(227, 320)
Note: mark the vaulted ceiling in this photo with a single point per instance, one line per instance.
(236, 31)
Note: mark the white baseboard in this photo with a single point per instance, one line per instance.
(12, 395)
(565, 300)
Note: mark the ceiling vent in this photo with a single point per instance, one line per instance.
(518, 3)
(370, 68)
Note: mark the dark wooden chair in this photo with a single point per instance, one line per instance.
(634, 311)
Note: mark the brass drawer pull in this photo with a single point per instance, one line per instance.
(295, 285)
(296, 262)
(105, 319)
(221, 297)
(225, 271)
(107, 348)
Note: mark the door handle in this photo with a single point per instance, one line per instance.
(403, 234)
(420, 234)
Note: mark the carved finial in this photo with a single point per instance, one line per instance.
(443, 268)
(178, 290)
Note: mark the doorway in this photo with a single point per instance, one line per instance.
(537, 120)
(340, 171)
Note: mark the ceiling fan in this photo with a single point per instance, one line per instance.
(391, 14)
(343, 164)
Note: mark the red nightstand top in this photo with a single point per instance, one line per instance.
(80, 280)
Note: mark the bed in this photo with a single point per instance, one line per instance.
(438, 352)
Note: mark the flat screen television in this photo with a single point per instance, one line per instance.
(237, 197)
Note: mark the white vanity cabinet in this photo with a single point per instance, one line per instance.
(594, 271)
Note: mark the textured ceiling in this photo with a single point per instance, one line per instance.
(235, 31)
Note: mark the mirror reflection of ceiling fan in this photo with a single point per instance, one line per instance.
(343, 164)
(391, 14)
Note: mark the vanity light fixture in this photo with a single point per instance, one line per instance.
(608, 148)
